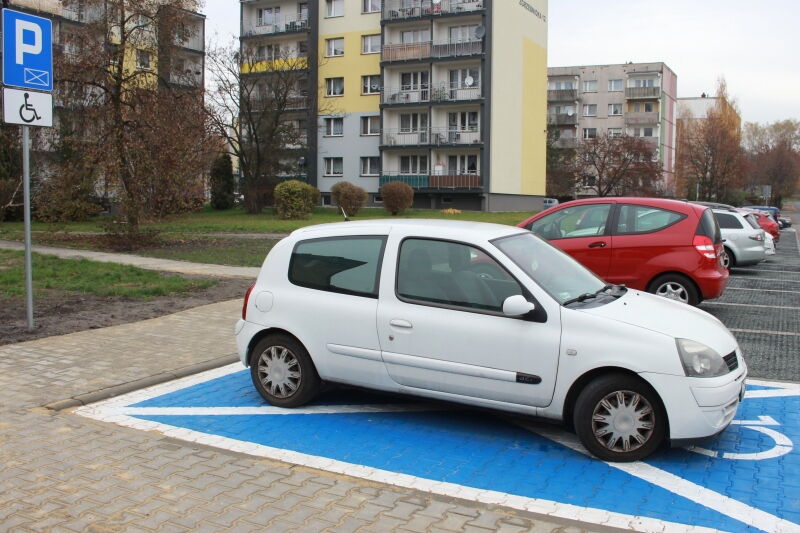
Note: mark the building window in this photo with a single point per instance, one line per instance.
(334, 86)
(413, 164)
(334, 127)
(614, 85)
(370, 6)
(334, 166)
(334, 8)
(268, 52)
(561, 85)
(302, 48)
(371, 44)
(614, 109)
(615, 132)
(334, 47)
(371, 84)
(648, 107)
(371, 125)
(589, 133)
(644, 83)
(590, 86)
(370, 166)
(143, 59)
(267, 15)
(589, 110)
(647, 132)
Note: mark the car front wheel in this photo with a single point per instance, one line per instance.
(619, 418)
(283, 372)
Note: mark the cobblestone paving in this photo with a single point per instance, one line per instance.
(67, 473)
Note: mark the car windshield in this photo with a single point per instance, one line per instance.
(553, 270)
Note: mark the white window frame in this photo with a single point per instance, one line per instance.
(368, 122)
(367, 167)
(586, 133)
(331, 48)
(368, 83)
(329, 166)
(334, 8)
(590, 86)
(615, 83)
(589, 110)
(614, 132)
(334, 127)
(414, 164)
(329, 87)
(370, 6)
(144, 65)
(611, 108)
(367, 44)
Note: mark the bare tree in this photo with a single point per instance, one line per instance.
(774, 154)
(10, 169)
(711, 161)
(618, 165)
(560, 167)
(263, 103)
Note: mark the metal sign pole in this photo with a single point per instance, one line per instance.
(26, 188)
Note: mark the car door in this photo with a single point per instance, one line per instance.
(582, 231)
(441, 327)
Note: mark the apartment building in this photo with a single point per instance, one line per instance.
(637, 99)
(447, 96)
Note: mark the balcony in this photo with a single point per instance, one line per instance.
(430, 50)
(277, 25)
(562, 95)
(447, 181)
(298, 177)
(562, 119)
(293, 103)
(444, 92)
(403, 9)
(566, 142)
(430, 137)
(642, 92)
(640, 119)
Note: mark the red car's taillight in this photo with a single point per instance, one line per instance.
(704, 246)
(246, 299)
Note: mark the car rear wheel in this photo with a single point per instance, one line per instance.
(675, 287)
(619, 418)
(283, 372)
(728, 259)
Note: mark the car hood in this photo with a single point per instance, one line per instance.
(668, 317)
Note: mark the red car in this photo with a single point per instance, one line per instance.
(667, 247)
(766, 222)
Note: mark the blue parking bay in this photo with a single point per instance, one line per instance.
(748, 479)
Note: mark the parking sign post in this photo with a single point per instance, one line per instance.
(28, 68)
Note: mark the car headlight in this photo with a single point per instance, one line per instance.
(700, 361)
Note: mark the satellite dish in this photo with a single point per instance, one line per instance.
(480, 32)
(570, 113)
(468, 81)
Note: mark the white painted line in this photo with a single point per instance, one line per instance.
(752, 305)
(734, 277)
(269, 410)
(760, 290)
(766, 332)
(735, 509)
(767, 270)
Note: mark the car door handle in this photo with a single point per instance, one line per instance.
(400, 323)
(599, 244)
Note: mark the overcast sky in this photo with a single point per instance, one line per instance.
(754, 45)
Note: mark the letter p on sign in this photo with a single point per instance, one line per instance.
(22, 47)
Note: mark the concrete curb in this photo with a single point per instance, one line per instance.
(124, 388)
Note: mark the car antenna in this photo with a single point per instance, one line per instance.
(344, 214)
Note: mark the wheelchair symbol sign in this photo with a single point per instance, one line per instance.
(782, 446)
(27, 108)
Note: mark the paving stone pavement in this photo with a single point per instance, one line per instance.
(67, 473)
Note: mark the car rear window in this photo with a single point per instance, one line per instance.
(349, 265)
(728, 221)
(709, 227)
(751, 219)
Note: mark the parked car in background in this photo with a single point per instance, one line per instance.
(667, 247)
(765, 222)
(772, 211)
(769, 244)
(743, 239)
(785, 222)
(549, 202)
(398, 307)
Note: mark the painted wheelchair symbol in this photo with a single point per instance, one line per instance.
(28, 107)
(783, 444)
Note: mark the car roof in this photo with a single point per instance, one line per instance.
(454, 229)
(665, 203)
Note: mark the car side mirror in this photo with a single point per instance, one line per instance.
(517, 305)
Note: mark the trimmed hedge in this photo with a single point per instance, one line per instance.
(397, 196)
(295, 199)
(349, 197)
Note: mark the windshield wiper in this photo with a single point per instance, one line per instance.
(587, 295)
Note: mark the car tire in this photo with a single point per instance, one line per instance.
(620, 418)
(728, 259)
(675, 287)
(283, 372)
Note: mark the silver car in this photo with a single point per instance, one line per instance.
(742, 238)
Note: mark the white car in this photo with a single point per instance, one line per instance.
(491, 316)
(769, 244)
(742, 238)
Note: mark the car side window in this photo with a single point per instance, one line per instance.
(634, 219)
(452, 274)
(349, 265)
(571, 222)
(727, 221)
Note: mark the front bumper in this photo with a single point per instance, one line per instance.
(699, 407)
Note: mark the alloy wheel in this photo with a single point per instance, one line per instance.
(623, 421)
(279, 371)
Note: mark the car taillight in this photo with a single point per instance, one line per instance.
(246, 299)
(705, 246)
(758, 237)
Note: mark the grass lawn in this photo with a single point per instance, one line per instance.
(88, 277)
(237, 221)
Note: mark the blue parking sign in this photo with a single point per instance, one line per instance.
(27, 51)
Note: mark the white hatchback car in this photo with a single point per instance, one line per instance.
(486, 315)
